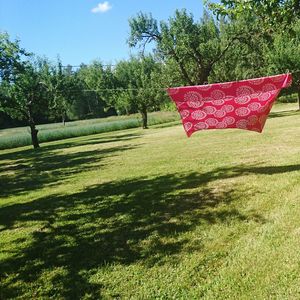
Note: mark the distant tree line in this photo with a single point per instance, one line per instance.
(234, 40)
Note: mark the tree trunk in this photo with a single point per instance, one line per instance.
(144, 118)
(299, 97)
(33, 130)
(34, 138)
(203, 77)
(63, 118)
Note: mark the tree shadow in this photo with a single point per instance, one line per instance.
(241, 170)
(120, 222)
(285, 113)
(34, 169)
(69, 143)
(116, 222)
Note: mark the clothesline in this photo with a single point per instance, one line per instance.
(113, 65)
(145, 89)
(116, 89)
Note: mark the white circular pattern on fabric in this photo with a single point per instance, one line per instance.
(242, 111)
(229, 98)
(184, 114)
(218, 102)
(244, 90)
(211, 122)
(255, 95)
(220, 113)
(192, 96)
(228, 108)
(201, 125)
(269, 87)
(242, 124)
(204, 87)
(226, 85)
(206, 99)
(217, 94)
(173, 91)
(179, 103)
(229, 120)
(254, 106)
(188, 126)
(198, 115)
(242, 100)
(221, 125)
(257, 81)
(263, 108)
(252, 120)
(210, 110)
(264, 96)
(195, 103)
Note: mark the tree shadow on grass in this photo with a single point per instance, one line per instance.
(285, 113)
(116, 222)
(140, 220)
(241, 170)
(32, 170)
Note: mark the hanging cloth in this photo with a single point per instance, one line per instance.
(243, 104)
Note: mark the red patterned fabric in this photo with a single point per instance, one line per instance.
(243, 104)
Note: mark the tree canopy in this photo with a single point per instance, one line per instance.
(193, 46)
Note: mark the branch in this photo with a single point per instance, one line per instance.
(181, 66)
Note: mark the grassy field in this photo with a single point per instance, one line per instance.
(151, 214)
(20, 136)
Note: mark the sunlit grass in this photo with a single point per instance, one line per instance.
(151, 214)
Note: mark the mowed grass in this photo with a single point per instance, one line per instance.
(20, 136)
(151, 214)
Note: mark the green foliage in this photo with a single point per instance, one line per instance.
(273, 15)
(190, 47)
(11, 58)
(25, 97)
(142, 91)
(22, 92)
(61, 84)
(284, 54)
(245, 58)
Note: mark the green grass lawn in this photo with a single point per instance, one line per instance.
(151, 214)
(20, 136)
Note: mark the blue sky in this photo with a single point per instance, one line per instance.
(80, 31)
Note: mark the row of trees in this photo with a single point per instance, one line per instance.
(35, 90)
(238, 39)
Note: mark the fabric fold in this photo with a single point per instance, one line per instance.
(243, 104)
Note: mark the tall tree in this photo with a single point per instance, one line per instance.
(141, 91)
(63, 86)
(194, 47)
(272, 27)
(97, 81)
(284, 55)
(245, 58)
(25, 97)
(21, 94)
